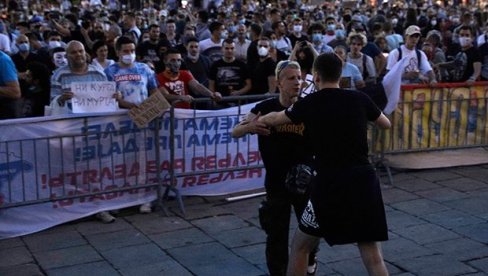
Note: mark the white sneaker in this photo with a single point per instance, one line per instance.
(105, 217)
(145, 208)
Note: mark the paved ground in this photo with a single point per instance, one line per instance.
(438, 221)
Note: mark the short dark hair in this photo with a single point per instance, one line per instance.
(172, 51)
(214, 26)
(257, 29)
(97, 45)
(192, 39)
(123, 40)
(328, 66)
(466, 27)
(228, 41)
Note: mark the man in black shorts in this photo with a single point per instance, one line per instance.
(281, 148)
(345, 203)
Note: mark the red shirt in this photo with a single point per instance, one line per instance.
(176, 85)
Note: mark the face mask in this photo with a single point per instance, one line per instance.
(24, 47)
(242, 21)
(232, 29)
(297, 28)
(394, 21)
(274, 43)
(128, 59)
(174, 66)
(340, 34)
(54, 44)
(316, 37)
(16, 32)
(465, 41)
(223, 35)
(331, 27)
(433, 22)
(262, 52)
(60, 61)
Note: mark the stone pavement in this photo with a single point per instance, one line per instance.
(438, 225)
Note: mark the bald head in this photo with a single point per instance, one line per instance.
(75, 52)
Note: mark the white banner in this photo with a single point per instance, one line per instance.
(115, 154)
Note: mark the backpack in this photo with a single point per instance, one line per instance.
(417, 51)
(365, 69)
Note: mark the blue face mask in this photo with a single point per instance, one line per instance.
(340, 34)
(24, 47)
(331, 27)
(242, 21)
(232, 29)
(316, 37)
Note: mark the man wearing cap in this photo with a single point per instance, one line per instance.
(417, 68)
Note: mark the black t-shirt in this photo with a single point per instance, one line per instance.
(199, 69)
(336, 121)
(148, 51)
(228, 76)
(468, 57)
(259, 76)
(283, 148)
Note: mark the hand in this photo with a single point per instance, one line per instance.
(64, 97)
(117, 96)
(411, 75)
(255, 126)
(470, 81)
(186, 98)
(216, 96)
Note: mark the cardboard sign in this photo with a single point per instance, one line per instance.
(148, 110)
(93, 97)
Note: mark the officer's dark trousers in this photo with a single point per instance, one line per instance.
(279, 209)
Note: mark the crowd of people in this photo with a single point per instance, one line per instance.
(220, 48)
(229, 47)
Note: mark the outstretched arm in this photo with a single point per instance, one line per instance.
(275, 118)
(250, 125)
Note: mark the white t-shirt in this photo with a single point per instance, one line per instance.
(412, 65)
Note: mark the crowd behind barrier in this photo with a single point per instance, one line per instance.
(295, 29)
(90, 163)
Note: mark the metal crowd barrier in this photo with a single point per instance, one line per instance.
(447, 116)
(61, 168)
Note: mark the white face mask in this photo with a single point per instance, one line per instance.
(54, 44)
(464, 41)
(394, 21)
(59, 59)
(297, 28)
(262, 51)
(128, 59)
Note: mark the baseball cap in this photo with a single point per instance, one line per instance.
(163, 13)
(412, 30)
(35, 19)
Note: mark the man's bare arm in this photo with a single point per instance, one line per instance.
(250, 125)
(383, 122)
(275, 118)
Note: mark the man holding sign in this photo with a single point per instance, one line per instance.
(77, 71)
(135, 81)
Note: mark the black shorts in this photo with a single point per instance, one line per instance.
(346, 206)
